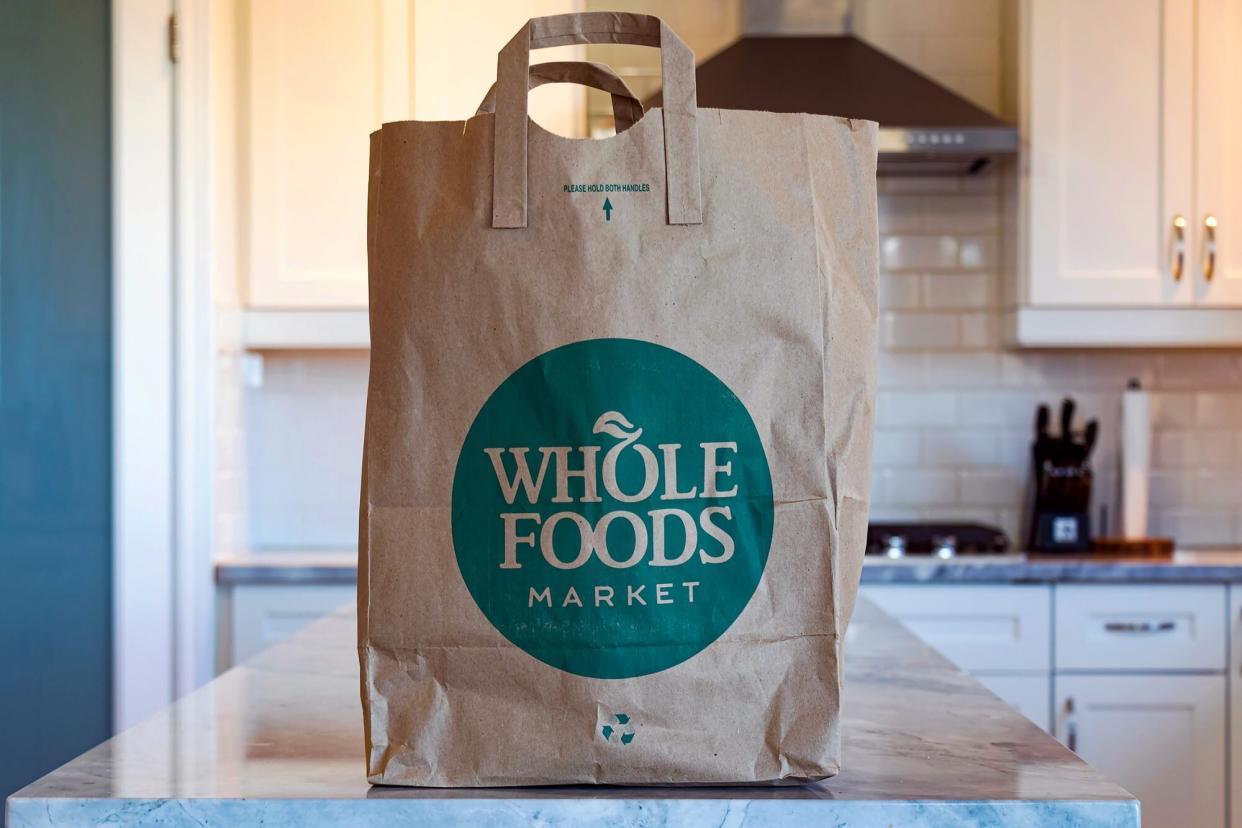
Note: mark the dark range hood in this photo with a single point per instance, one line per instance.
(925, 129)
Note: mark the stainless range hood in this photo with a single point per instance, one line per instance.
(925, 129)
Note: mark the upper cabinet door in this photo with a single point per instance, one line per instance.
(1109, 121)
(322, 76)
(1218, 278)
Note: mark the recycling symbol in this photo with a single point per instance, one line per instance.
(619, 729)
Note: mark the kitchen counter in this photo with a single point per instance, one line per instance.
(289, 567)
(1224, 566)
(278, 740)
(1184, 567)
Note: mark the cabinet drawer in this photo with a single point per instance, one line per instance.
(266, 614)
(1140, 628)
(993, 628)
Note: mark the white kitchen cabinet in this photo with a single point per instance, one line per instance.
(1143, 680)
(1131, 123)
(1219, 153)
(1140, 692)
(1109, 128)
(978, 627)
(1139, 628)
(1001, 635)
(253, 617)
(1158, 736)
(321, 76)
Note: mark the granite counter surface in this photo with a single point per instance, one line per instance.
(278, 740)
(1184, 567)
(1223, 566)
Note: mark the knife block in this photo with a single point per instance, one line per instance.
(1060, 521)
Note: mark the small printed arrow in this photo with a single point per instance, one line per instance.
(607, 209)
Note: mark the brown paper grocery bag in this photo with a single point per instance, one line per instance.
(618, 437)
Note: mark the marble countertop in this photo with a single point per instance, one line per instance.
(1189, 566)
(289, 567)
(279, 740)
(1223, 566)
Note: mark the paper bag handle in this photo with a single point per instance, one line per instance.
(681, 144)
(626, 109)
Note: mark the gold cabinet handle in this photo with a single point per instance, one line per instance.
(1178, 262)
(1209, 247)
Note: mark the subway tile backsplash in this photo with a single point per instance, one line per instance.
(304, 450)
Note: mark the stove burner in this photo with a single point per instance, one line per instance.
(939, 540)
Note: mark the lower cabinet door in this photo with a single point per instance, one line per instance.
(266, 614)
(1030, 695)
(1160, 737)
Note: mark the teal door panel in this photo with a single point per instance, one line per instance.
(55, 385)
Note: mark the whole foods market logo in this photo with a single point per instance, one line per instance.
(612, 508)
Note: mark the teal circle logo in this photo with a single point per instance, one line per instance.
(612, 508)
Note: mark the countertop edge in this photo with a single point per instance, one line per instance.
(1046, 571)
(517, 812)
(1189, 568)
(288, 568)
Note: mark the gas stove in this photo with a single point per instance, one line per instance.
(935, 540)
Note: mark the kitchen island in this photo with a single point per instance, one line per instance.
(278, 740)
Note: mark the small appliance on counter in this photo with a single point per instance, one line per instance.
(939, 540)
(1062, 483)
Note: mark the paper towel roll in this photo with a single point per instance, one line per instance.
(1135, 459)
